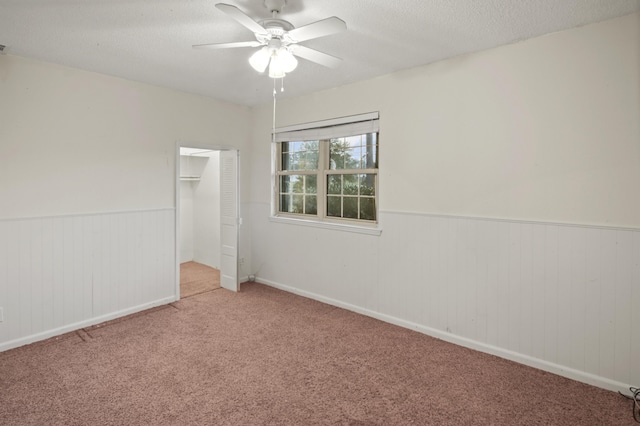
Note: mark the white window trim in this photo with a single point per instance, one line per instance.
(345, 126)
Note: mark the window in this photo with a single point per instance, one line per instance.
(329, 173)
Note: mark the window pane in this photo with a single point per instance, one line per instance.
(350, 184)
(293, 194)
(338, 153)
(370, 157)
(311, 204)
(308, 161)
(368, 208)
(311, 184)
(354, 152)
(336, 162)
(285, 184)
(285, 203)
(295, 146)
(352, 158)
(334, 184)
(311, 145)
(286, 161)
(300, 155)
(334, 207)
(350, 207)
(295, 184)
(354, 141)
(368, 184)
(293, 161)
(297, 204)
(372, 138)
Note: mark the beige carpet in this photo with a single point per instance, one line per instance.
(196, 278)
(266, 357)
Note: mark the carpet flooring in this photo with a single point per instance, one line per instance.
(196, 278)
(267, 357)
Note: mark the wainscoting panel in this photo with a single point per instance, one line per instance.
(563, 298)
(58, 274)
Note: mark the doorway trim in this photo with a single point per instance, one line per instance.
(203, 146)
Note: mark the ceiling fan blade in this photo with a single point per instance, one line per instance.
(227, 45)
(317, 29)
(241, 17)
(315, 56)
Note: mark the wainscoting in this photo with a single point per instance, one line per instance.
(59, 274)
(562, 298)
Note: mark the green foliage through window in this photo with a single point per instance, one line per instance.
(346, 170)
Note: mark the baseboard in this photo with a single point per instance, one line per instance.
(581, 376)
(82, 324)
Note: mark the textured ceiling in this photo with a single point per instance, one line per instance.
(150, 40)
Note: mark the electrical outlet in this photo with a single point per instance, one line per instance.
(241, 261)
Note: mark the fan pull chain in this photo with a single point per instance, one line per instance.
(282, 84)
(273, 128)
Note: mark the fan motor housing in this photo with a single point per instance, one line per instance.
(276, 26)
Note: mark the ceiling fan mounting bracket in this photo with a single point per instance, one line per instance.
(275, 6)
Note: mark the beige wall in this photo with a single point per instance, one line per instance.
(75, 142)
(545, 130)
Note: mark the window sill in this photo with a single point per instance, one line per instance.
(367, 230)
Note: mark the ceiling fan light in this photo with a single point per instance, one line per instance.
(275, 68)
(288, 61)
(260, 59)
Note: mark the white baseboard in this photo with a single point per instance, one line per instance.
(581, 376)
(82, 324)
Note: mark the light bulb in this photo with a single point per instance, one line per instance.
(260, 59)
(276, 69)
(288, 61)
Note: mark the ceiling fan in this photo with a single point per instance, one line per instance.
(280, 39)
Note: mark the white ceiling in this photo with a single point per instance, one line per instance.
(150, 40)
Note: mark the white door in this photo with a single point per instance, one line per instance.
(229, 219)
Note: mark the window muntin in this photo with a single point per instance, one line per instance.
(330, 179)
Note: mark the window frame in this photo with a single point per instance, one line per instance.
(323, 173)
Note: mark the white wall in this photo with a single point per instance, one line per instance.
(519, 140)
(186, 221)
(75, 141)
(200, 209)
(206, 213)
(75, 145)
(62, 273)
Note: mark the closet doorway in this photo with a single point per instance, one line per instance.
(206, 195)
